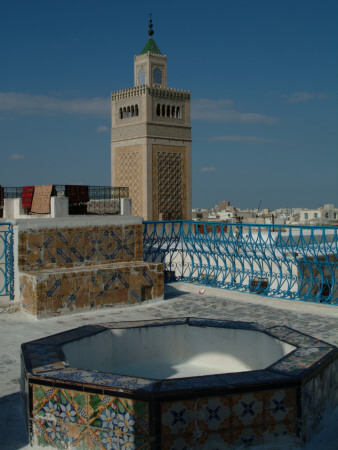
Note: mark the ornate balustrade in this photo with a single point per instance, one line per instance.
(293, 262)
(6, 261)
(101, 199)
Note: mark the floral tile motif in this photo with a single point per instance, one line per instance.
(45, 402)
(280, 405)
(73, 406)
(105, 439)
(178, 417)
(131, 442)
(128, 416)
(248, 409)
(48, 433)
(73, 434)
(214, 412)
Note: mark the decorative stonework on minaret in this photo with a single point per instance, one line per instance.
(151, 140)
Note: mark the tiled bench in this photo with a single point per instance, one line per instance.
(83, 263)
(50, 292)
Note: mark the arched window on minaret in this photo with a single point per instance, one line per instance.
(168, 111)
(141, 77)
(157, 76)
(128, 112)
(158, 109)
(121, 113)
(124, 112)
(173, 111)
(136, 110)
(163, 110)
(132, 109)
(178, 112)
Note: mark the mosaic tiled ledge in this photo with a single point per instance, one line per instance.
(73, 408)
(50, 292)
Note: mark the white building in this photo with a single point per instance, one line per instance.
(324, 215)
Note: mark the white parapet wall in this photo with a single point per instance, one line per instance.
(59, 207)
(126, 207)
(13, 209)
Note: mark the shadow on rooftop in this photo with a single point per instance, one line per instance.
(13, 429)
(172, 292)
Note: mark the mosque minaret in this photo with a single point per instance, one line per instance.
(151, 140)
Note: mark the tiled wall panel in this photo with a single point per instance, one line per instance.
(66, 418)
(48, 248)
(238, 419)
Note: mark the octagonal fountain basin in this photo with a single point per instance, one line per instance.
(178, 383)
(175, 351)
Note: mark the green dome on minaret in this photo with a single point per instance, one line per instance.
(151, 44)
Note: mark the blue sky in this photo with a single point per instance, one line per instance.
(262, 76)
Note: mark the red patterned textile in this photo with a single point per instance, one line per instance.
(77, 193)
(27, 197)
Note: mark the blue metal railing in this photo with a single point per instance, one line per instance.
(285, 261)
(6, 260)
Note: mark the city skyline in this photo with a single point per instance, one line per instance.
(262, 77)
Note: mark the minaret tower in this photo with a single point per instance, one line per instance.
(151, 140)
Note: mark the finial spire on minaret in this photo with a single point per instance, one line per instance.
(150, 31)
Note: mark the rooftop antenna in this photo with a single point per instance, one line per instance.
(260, 202)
